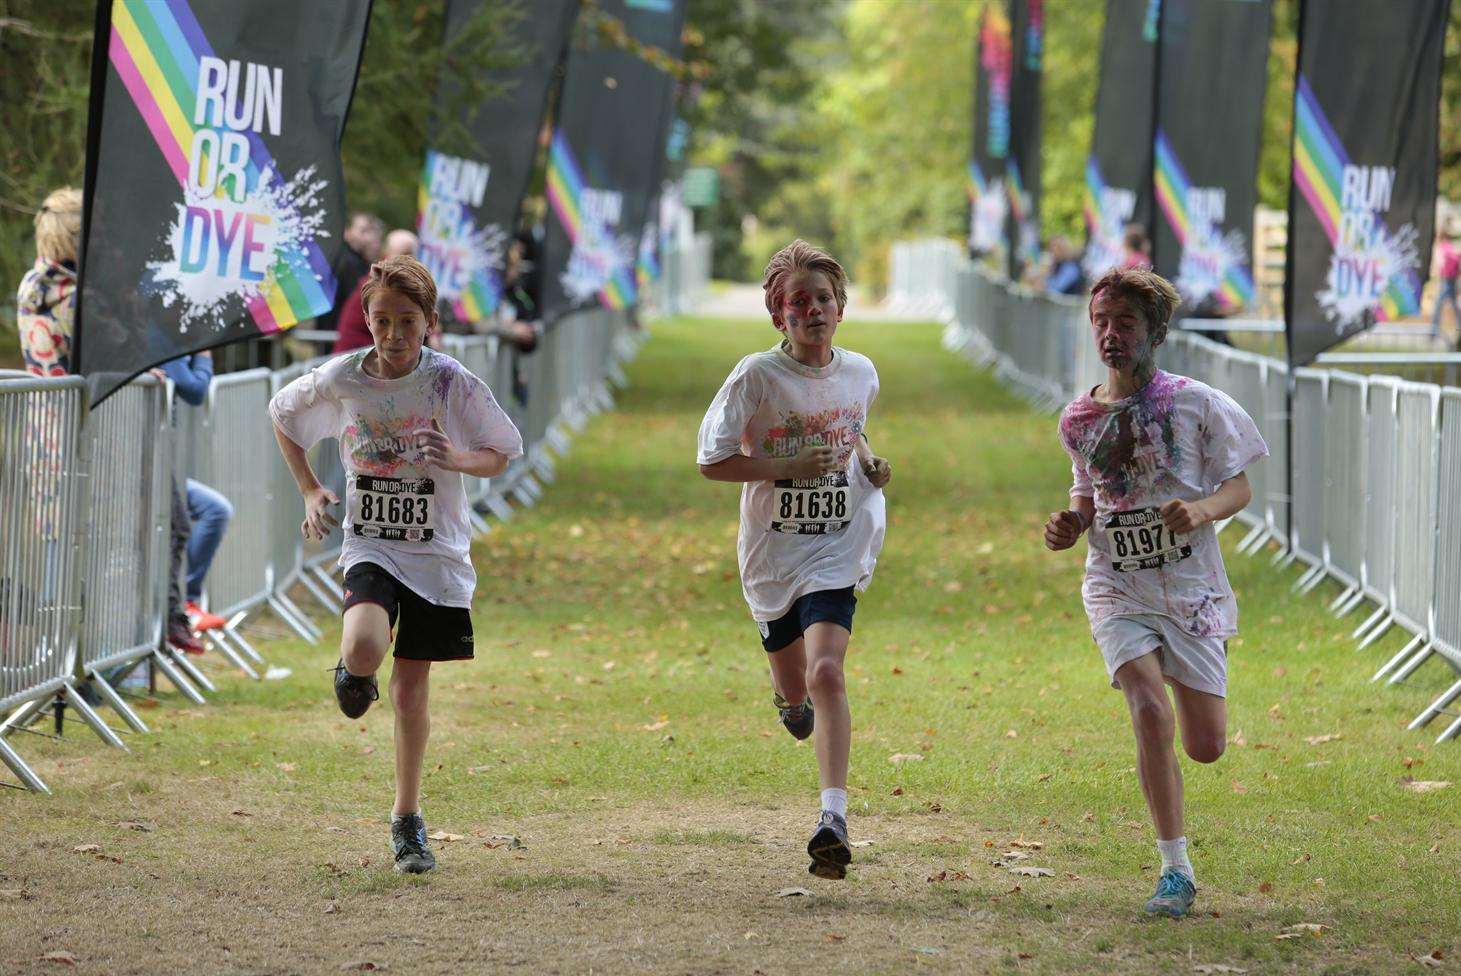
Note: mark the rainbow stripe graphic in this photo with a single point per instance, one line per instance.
(565, 189)
(480, 297)
(155, 48)
(1091, 204)
(1319, 162)
(978, 185)
(1171, 188)
(1027, 245)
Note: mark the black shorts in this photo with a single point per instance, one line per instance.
(428, 632)
(833, 606)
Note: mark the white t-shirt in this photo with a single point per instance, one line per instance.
(1176, 438)
(798, 537)
(403, 514)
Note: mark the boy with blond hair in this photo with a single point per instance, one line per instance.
(410, 422)
(788, 425)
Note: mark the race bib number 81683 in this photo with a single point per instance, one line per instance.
(402, 509)
(1139, 540)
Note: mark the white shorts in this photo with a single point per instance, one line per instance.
(1199, 663)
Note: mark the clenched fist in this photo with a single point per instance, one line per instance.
(1062, 530)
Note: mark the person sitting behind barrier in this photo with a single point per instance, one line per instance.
(45, 305)
(353, 333)
(199, 518)
(1065, 276)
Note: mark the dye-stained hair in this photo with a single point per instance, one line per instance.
(403, 274)
(798, 257)
(1145, 292)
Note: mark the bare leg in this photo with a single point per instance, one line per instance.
(1156, 760)
(409, 686)
(789, 671)
(366, 638)
(826, 646)
(1204, 721)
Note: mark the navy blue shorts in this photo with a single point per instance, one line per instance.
(831, 606)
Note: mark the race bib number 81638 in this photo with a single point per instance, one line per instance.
(815, 506)
(1139, 540)
(402, 509)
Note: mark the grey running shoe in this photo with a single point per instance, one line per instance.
(1174, 895)
(353, 692)
(408, 837)
(829, 849)
(798, 719)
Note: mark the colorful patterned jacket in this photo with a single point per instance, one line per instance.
(45, 313)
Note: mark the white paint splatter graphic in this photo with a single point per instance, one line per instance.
(987, 223)
(598, 255)
(1207, 257)
(1360, 270)
(221, 253)
(456, 251)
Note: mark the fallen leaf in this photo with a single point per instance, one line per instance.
(1300, 859)
(897, 791)
(1088, 818)
(794, 893)
(898, 757)
(14, 894)
(1031, 872)
(1435, 960)
(1265, 887)
(1319, 740)
(368, 750)
(1029, 845)
(444, 837)
(953, 586)
(242, 813)
(1239, 787)
(1011, 734)
(61, 956)
(1043, 777)
(137, 825)
(1300, 929)
(364, 966)
(862, 843)
(1423, 785)
(833, 936)
(86, 848)
(655, 726)
(331, 908)
(929, 950)
(1217, 967)
(512, 842)
(1014, 856)
(284, 767)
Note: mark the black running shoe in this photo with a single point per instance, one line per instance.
(353, 692)
(830, 851)
(408, 837)
(797, 718)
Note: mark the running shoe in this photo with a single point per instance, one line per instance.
(353, 692)
(1174, 895)
(201, 620)
(408, 837)
(181, 637)
(797, 718)
(829, 849)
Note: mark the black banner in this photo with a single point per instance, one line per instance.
(993, 76)
(1022, 172)
(604, 159)
(470, 198)
(1119, 170)
(214, 192)
(1363, 194)
(1206, 154)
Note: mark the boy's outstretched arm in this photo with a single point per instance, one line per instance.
(1062, 529)
(1231, 498)
(317, 498)
(813, 461)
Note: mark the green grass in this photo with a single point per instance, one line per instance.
(614, 607)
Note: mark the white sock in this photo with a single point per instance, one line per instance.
(1174, 855)
(835, 801)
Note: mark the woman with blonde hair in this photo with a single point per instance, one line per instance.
(45, 301)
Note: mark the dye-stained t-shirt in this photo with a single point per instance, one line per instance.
(1176, 438)
(401, 512)
(799, 536)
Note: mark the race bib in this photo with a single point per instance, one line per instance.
(815, 506)
(400, 509)
(1138, 540)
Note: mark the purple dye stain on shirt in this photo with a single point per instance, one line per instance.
(1127, 441)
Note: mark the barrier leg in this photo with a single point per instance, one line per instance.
(289, 612)
(1408, 668)
(500, 506)
(1400, 655)
(17, 766)
(1317, 578)
(89, 716)
(118, 703)
(480, 526)
(1257, 532)
(195, 674)
(1301, 585)
(238, 639)
(1351, 604)
(183, 685)
(1380, 630)
(1339, 601)
(219, 643)
(1452, 731)
(328, 582)
(19, 718)
(1437, 707)
(1284, 559)
(326, 598)
(1370, 621)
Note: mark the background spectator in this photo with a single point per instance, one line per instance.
(1065, 276)
(45, 305)
(353, 332)
(362, 239)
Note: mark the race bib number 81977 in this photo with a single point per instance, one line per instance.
(1139, 540)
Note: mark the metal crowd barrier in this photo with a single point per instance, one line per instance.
(1376, 461)
(86, 507)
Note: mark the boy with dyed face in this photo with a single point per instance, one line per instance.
(788, 425)
(1156, 460)
(410, 422)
